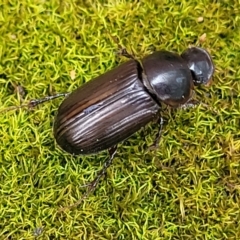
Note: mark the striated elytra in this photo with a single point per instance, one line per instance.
(113, 106)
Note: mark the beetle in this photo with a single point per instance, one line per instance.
(110, 108)
(113, 106)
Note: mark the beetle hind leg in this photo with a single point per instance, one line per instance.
(190, 104)
(122, 51)
(35, 102)
(91, 186)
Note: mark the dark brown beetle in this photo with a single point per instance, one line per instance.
(113, 106)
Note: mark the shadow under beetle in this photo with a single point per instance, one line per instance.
(110, 108)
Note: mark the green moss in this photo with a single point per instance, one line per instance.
(187, 189)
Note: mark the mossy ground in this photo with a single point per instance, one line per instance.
(188, 189)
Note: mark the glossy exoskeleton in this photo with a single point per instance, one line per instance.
(113, 106)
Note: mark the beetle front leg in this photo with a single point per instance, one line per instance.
(194, 103)
(92, 185)
(190, 104)
(122, 51)
(154, 146)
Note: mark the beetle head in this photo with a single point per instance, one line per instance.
(200, 63)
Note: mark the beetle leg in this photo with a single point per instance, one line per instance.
(154, 146)
(121, 50)
(190, 104)
(35, 102)
(92, 185)
(194, 103)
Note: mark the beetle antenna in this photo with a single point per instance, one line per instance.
(35, 102)
(92, 185)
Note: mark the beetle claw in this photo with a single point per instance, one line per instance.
(35, 102)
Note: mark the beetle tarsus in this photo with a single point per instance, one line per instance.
(35, 102)
(154, 146)
(190, 104)
(92, 185)
(121, 50)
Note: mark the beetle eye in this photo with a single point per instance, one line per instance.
(200, 64)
